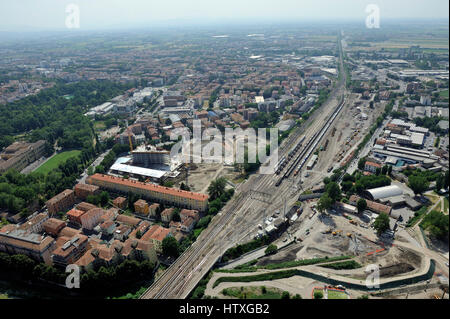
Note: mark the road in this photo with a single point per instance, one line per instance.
(97, 161)
(254, 200)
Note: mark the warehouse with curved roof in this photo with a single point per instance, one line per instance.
(384, 192)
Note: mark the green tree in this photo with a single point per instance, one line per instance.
(170, 247)
(318, 294)
(381, 223)
(104, 198)
(285, 295)
(176, 215)
(271, 249)
(217, 188)
(418, 184)
(361, 163)
(325, 203)
(334, 191)
(362, 205)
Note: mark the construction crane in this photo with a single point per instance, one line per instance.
(129, 138)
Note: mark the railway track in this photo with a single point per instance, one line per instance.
(312, 143)
(233, 222)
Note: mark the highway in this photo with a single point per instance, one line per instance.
(257, 198)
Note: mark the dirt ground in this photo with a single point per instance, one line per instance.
(201, 175)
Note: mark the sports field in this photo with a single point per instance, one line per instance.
(53, 163)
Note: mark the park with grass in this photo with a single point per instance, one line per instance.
(54, 162)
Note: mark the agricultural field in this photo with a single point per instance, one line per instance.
(53, 163)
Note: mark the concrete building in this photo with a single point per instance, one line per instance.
(371, 167)
(69, 250)
(156, 235)
(120, 202)
(35, 246)
(167, 215)
(164, 195)
(61, 202)
(153, 209)
(91, 218)
(20, 154)
(74, 216)
(128, 220)
(35, 223)
(371, 205)
(141, 207)
(82, 191)
(53, 226)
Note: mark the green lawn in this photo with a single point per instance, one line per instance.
(53, 163)
(445, 204)
(444, 94)
(333, 294)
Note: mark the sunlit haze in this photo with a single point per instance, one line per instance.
(105, 14)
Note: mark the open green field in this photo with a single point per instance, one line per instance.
(444, 94)
(334, 294)
(53, 163)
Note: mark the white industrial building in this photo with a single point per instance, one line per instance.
(384, 192)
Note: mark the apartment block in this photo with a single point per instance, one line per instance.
(164, 195)
(35, 223)
(82, 191)
(141, 207)
(69, 250)
(156, 235)
(18, 241)
(53, 226)
(61, 202)
(20, 154)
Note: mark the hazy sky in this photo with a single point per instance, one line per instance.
(51, 14)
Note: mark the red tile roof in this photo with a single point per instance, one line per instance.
(149, 187)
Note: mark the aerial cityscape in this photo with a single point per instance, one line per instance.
(274, 156)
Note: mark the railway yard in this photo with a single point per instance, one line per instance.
(254, 200)
(324, 143)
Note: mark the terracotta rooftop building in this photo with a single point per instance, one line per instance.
(82, 191)
(61, 202)
(120, 202)
(53, 226)
(85, 206)
(156, 235)
(165, 195)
